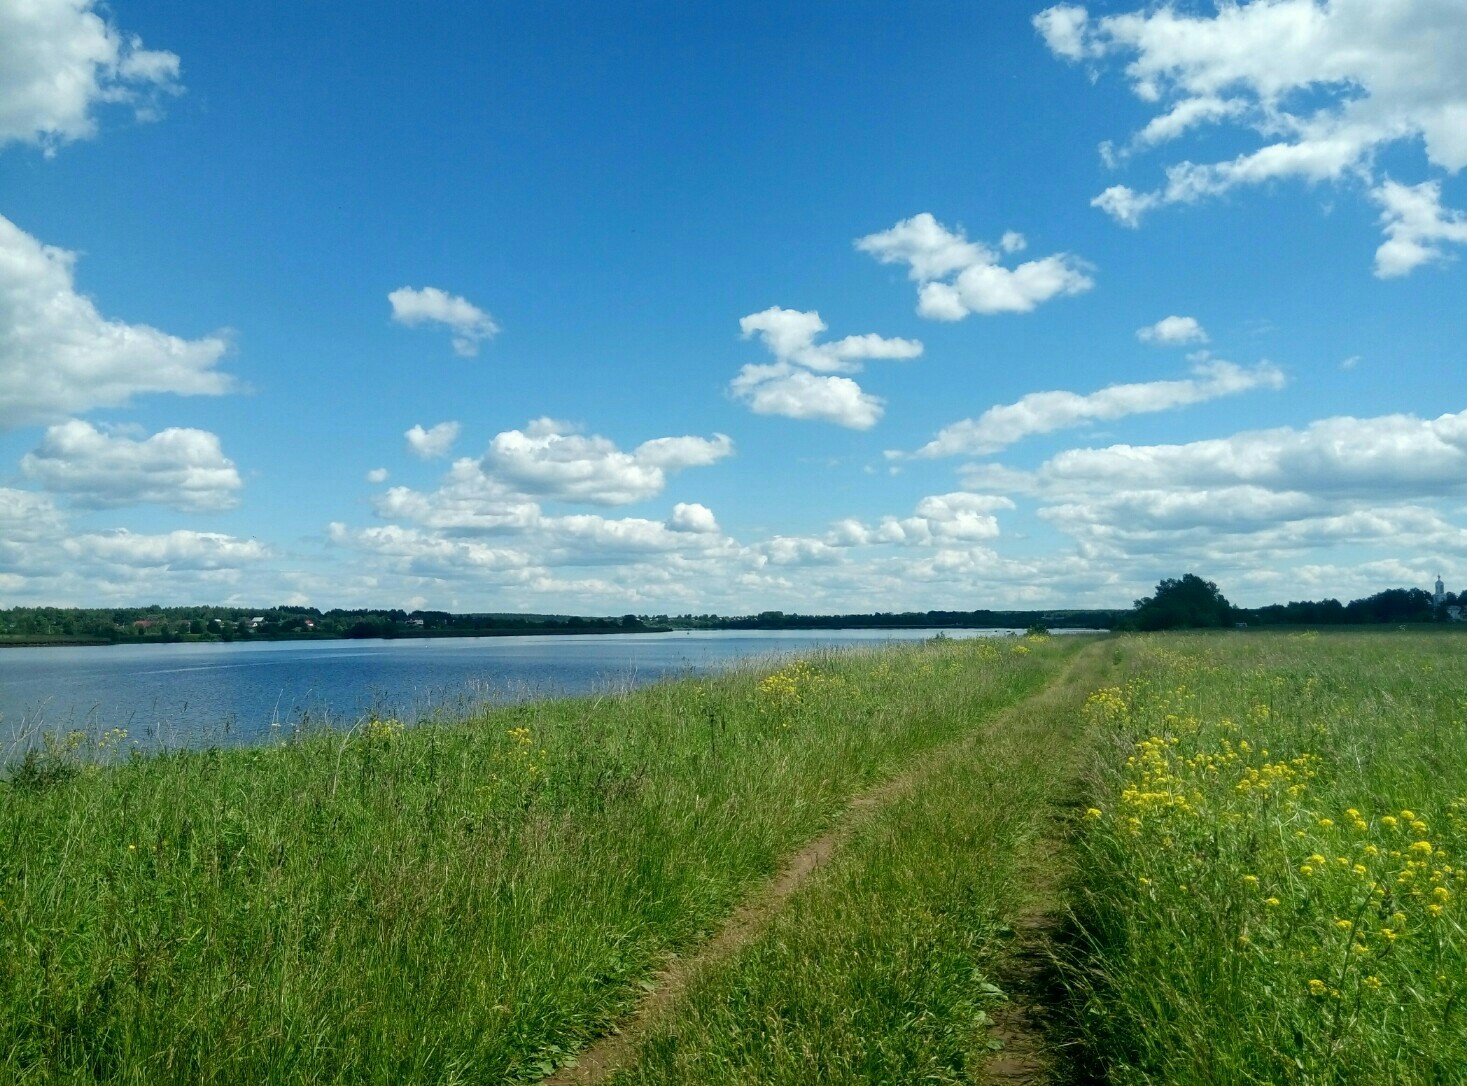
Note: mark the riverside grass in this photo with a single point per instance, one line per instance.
(445, 903)
(1270, 885)
(885, 965)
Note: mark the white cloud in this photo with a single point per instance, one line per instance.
(940, 519)
(470, 324)
(692, 517)
(956, 277)
(178, 550)
(1389, 457)
(789, 334)
(1045, 412)
(179, 467)
(1250, 504)
(1415, 225)
(59, 59)
(468, 501)
(378, 475)
(549, 460)
(59, 356)
(788, 387)
(30, 524)
(1065, 28)
(1324, 85)
(431, 443)
(797, 394)
(796, 551)
(1173, 331)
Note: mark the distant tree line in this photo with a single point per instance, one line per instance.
(876, 620)
(1184, 602)
(1189, 602)
(113, 625)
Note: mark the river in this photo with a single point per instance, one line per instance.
(191, 695)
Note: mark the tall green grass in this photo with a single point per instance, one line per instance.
(1271, 883)
(445, 903)
(885, 965)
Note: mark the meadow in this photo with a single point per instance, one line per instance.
(1268, 886)
(467, 902)
(1230, 857)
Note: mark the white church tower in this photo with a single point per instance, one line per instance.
(1439, 597)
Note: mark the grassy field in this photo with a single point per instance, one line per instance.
(887, 966)
(1270, 883)
(1242, 852)
(444, 904)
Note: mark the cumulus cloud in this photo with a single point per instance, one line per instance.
(470, 324)
(790, 335)
(28, 522)
(1256, 500)
(60, 357)
(178, 550)
(1173, 331)
(178, 467)
(59, 59)
(940, 519)
(1416, 227)
(1045, 412)
(956, 277)
(378, 475)
(1325, 87)
(789, 386)
(1386, 457)
(798, 394)
(537, 544)
(692, 517)
(431, 443)
(550, 460)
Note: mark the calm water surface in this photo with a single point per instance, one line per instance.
(191, 695)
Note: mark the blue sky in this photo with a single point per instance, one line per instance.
(667, 308)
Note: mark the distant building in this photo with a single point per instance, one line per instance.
(1439, 597)
(1454, 613)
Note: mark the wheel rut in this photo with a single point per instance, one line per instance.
(617, 1049)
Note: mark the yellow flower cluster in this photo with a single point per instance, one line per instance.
(788, 689)
(522, 765)
(1203, 803)
(383, 730)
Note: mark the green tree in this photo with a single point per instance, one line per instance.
(1183, 603)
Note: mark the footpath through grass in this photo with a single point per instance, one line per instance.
(885, 966)
(1270, 887)
(441, 904)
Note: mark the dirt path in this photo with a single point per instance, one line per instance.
(1025, 1024)
(1020, 1023)
(616, 1050)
